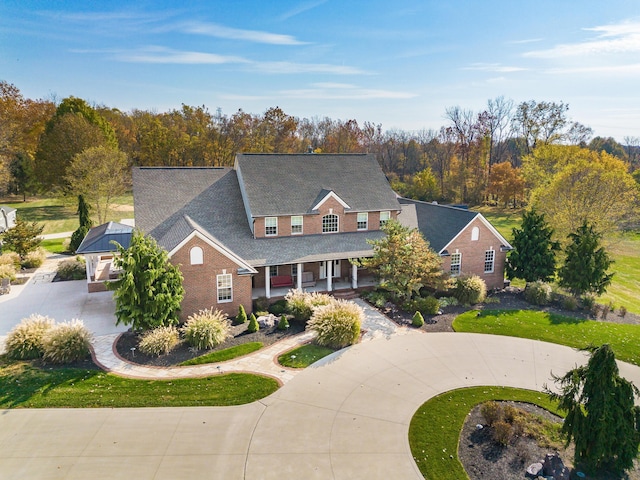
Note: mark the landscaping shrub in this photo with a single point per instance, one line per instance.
(254, 326)
(25, 340)
(569, 303)
(417, 320)
(278, 308)
(622, 311)
(73, 269)
(425, 305)
(283, 324)
(159, 341)
(470, 289)
(261, 303)
(537, 293)
(302, 304)
(448, 302)
(241, 317)
(336, 324)
(502, 433)
(10, 258)
(8, 271)
(206, 329)
(376, 297)
(34, 259)
(492, 412)
(589, 303)
(66, 342)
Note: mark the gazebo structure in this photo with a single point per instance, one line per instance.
(98, 249)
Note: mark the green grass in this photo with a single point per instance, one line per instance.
(58, 214)
(576, 333)
(226, 354)
(435, 427)
(23, 385)
(55, 245)
(304, 356)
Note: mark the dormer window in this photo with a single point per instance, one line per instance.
(330, 223)
(271, 226)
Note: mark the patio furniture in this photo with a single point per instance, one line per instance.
(5, 286)
(308, 280)
(282, 281)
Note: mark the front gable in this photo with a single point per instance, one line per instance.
(326, 195)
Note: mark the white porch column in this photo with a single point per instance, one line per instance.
(329, 275)
(299, 285)
(88, 264)
(354, 276)
(267, 281)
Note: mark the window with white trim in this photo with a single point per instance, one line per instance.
(296, 225)
(489, 261)
(271, 226)
(196, 257)
(384, 218)
(475, 234)
(330, 223)
(363, 221)
(456, 263)
(225, 287)
(294, 272)
(273, 270)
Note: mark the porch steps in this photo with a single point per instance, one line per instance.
(345, 294)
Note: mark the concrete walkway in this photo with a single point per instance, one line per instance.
(346, 417)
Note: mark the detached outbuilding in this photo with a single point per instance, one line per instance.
(7, 218)
(99, 250)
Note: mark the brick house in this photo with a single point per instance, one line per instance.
(278, 221)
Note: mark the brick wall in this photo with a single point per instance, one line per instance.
(200, 282)
(473, 254)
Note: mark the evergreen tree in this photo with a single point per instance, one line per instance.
(149, 290)
(22, 238)
(85, 224)
(601, 416)
(253, 326)
(241, 317)
(534, 252)
(586, 263)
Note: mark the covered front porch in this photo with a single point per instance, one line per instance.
(326, 276)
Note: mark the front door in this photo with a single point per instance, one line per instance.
(335, 272)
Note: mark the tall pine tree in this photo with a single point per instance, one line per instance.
(534, 252)
(85, 224)
(586, 263)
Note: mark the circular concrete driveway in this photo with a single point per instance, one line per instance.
(345, 418)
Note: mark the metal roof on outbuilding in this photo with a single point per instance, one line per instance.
(100, 239)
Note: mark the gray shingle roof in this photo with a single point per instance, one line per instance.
(291, 184)
(438, 223)
(98, 239)
(166, 198)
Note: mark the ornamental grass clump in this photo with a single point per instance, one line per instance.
(73, 269)
(8, 271)
(337, 324)
(302, 304)
(159, 341)
(470, 289)
(206, 329)
(10, 258)
(538, 293)
(35, 258)
(25, 340)
(67, 342)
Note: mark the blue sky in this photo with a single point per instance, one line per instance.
(399, 63)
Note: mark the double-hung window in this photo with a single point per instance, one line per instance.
(271, 226)
(363, 221)
(456, 263)
(330, 223)
(296, 225)
(225, 288)
(384, 218)
(489, 260)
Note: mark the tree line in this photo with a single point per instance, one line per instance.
(507, 153)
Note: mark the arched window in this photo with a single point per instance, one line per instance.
(329, 223)
(196, 256)
(475, 234)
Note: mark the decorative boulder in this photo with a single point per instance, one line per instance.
(267, 321)
(534, 470)
(553, 466)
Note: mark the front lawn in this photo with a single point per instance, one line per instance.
(304, 356)
(25, 385)
(547, 327)
(435, 427)
(223, 355)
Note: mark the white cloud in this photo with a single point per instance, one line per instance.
(526, 40)
(348, 94)
(165, 55)
(612, 39)
(494, 67)
(290, 67)
(257, 36)
(303, 7)
(332, 85)
(628, 69)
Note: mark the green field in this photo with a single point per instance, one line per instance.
(58, 214)
(624, 249)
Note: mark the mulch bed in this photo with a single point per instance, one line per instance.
(183, 352)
